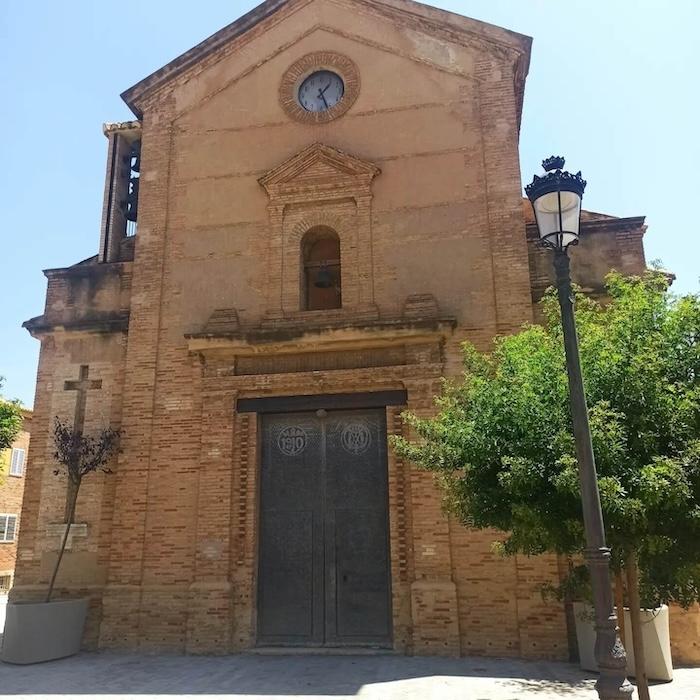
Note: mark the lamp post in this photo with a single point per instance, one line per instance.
(556, 201)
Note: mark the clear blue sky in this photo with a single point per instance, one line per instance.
(613, 86)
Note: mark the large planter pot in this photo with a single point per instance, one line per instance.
(655, 633)
(3, 605)
(585, 636)
(37, 632)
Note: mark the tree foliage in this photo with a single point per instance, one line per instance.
(502, 444)
(10, 421)
(80, 454)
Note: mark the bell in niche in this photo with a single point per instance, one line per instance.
(324, 278)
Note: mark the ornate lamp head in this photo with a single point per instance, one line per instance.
(556, 201)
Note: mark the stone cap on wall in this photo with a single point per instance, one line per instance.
(87, 296)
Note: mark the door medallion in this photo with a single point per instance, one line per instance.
(292, 440)
(356, 438)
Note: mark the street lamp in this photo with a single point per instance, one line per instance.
(556, 201)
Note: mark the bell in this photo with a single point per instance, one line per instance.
(324, 278)
(135, 156)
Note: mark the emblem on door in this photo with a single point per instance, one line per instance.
(292, 440)
(355, 438)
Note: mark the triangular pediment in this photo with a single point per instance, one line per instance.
(416, 16)
(318, 164)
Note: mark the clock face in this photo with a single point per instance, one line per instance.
(321, 91)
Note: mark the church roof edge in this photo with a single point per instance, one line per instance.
(489, 33)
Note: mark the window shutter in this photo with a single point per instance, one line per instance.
(17, 462)
(11, 527)
(8, 528)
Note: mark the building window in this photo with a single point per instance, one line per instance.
(17, 461)
(320, 253)
(5, 583)
(8, 527)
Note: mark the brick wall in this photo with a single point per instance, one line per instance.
(11, 493)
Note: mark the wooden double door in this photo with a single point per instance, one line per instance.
(323, 577)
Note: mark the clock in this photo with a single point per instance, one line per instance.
(319, 87)
(321, 91)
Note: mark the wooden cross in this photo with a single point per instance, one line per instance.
(82, 385)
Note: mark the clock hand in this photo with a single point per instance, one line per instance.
(323, 97)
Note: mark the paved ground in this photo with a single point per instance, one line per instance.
(261, 677)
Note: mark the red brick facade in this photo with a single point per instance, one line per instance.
(420, 180)
(13, 466)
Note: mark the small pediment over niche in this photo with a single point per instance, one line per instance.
(319, 167)
(222, 321)
(421, 306)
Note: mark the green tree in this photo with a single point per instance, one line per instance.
(502, 446)
(10, 425)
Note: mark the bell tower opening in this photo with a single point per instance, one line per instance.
(121, 195)
(321, 274)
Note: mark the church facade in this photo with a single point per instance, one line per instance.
(310, 212)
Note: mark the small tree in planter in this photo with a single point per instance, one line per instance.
(78, 455)
(42, 631)
(502, 445)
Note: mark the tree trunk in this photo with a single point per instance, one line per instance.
(71, 515)
(620, 606)
(71, 488)
(640, 672)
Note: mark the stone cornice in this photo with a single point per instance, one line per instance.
(300, 338)
(88, 269)
(130, 127)
(109, 322)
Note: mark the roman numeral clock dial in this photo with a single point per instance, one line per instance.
(321, 91)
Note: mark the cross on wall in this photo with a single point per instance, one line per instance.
(82, 385)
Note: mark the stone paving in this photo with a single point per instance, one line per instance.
(310, 677)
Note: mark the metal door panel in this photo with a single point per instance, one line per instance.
(324, 550)
(357, 528)
(361, 594)
(287, 572)
(290, 588)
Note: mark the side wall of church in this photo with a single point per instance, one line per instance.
(76, 330)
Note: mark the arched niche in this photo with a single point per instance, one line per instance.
(321, 274)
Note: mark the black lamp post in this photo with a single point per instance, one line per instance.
(556, 201)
